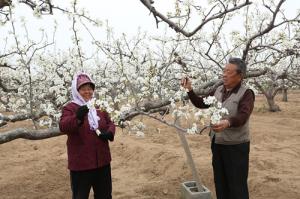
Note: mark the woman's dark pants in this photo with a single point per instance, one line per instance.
(99, 179)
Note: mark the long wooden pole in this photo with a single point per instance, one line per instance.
(190, 159)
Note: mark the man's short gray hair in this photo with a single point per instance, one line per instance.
(240, 64)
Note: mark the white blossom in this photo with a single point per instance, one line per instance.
(210, 100)
(91, 103)
(37, 12)
(193, 129)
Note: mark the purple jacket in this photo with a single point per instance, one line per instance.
(85, 150)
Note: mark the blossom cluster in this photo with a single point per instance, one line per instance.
(214, 113)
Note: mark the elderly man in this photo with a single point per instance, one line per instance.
(230, 137)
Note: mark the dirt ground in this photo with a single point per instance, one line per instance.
(153, 167)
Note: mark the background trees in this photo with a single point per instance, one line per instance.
(139, 74)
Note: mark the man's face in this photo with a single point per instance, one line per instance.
(86, 92)
(231, 77)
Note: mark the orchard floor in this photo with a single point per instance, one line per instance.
(153, 167)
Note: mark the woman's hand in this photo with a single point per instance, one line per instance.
(106, 135)
(81, 112)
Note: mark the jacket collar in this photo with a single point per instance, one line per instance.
(234, 90)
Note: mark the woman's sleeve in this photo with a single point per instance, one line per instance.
(111, 125)
(68, 122)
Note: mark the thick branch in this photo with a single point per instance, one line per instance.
(44, 6)
(257, 73)
(21, 117)
(292, 80)
(29, 134)
(259, 86)
(4, 3)
(6, 89)
(2, 123)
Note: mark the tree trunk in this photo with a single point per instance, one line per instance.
(284, 95)
(273, 107)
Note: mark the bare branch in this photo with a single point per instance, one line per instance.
(45, 6)
(164, 122)
(7, 54)
(270, 27)
(5, 65)
(148, 4)
(76, 35)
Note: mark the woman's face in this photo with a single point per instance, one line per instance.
(86, 92)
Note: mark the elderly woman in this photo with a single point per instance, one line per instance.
(88, 131)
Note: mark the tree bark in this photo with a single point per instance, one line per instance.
(22, 116)
(4, 3)
(29, 134)
(284, 95)
(2, 123)
(273, 107)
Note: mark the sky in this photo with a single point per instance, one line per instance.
(125, 16)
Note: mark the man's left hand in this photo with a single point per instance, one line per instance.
(223, 124)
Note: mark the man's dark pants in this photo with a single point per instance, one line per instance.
(98, 179)
(230, 166)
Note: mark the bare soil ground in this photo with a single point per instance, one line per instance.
(153, 167)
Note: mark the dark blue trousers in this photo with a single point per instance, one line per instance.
(230, 166)
(99, 179)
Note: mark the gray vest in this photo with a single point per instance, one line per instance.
(232, 135)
